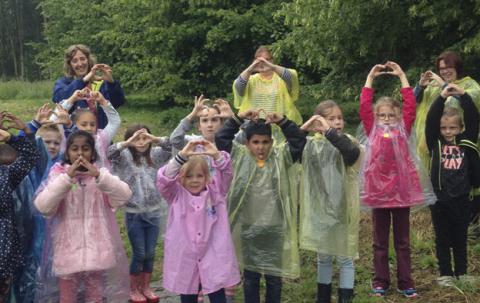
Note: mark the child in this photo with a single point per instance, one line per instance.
(86, 120)
(52, 138)
(455, 169)
(391, 182)
(17, 158)
(330, 208)
(88, 254)
(199, 250)
(262, 211)
(209, 120)
(136, 161)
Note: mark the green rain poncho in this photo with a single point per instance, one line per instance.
(263, 213)
(471, 87)
(329, 200)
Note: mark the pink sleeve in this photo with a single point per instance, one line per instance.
(409, 108)
(366, 111)
(57, 188)
(118, 191)
(223, 174)
(167, 187)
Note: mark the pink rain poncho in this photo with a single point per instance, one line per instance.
(83, 253)
(391, 175)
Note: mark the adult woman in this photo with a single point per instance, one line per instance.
(272, 88)
(81, 72)
(450, 70)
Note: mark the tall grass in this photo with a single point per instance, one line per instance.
(21, 90)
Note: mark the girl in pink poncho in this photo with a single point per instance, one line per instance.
(391, 183)
(199, 251)
(88, 254)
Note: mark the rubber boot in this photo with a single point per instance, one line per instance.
(345, 295)
(135, 294)
(324, 293)
(146, 290)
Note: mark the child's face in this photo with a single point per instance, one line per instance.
(79, 148)
(142, 143)
(52, 141)
(450, 127)
(259, 146)
(209, 123)
(387, 115)
(334, 118)
(87, 122)
(194, 180)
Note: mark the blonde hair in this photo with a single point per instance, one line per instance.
(70, 53)
(263, 49)
(388, 101)
(53, 128)
(450, 112)
(324, 107)
(193, 162)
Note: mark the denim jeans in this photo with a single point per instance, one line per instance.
(142, 231)
(251, 287)
(215, 297)
(325, 270)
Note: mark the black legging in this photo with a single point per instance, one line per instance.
(215, 297)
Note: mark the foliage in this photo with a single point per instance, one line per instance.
(20, 90)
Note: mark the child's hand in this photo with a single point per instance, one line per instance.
(274, 118)
(452, 90)
(43, 115)
(99, 98)
(264, 65)
(131, 142)
(224, 109)
(396, 70)
(91, 169)
(4, 135)
(198, 107)
(316, 124)
(209, 149)
(72, 169)
(13, 122)
(189, 149)
(62, 116)
(377, 70)
(250, 114)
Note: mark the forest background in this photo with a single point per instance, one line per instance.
(164, 52)
(167, 51)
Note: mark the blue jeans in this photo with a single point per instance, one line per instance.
(325, 270)
(142, 231)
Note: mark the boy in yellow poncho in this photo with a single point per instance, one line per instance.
(329, 200)
(262, 211)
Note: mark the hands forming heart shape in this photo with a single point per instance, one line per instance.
(452, 90)
(10, 121)
(317, 124)
(207, 149)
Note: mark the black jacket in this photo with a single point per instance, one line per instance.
(466, 140)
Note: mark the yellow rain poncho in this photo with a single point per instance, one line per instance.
(262, 91)
(329, 200)
(263, 213)
(471, 87)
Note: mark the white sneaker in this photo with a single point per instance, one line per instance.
(445, 281)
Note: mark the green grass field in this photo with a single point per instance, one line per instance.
(304, 289)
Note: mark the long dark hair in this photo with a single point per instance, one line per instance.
(90, 141)
(137, 157)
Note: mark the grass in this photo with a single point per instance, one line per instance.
(303, 290)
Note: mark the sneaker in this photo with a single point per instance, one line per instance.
(445, 281)
(409, 292)
(378, 292)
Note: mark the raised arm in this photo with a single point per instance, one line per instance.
(65, 87)
(296, 138)
(113, 117)
(349, 150)
(432, 122)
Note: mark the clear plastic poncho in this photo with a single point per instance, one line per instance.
(263, 213)
(471, 87)
(391, 174)
(146, 203)
(83, 251)
(329, 201)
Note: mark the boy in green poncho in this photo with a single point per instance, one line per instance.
(262, 210)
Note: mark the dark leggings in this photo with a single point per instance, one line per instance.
(251, 287)
(215, 297)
